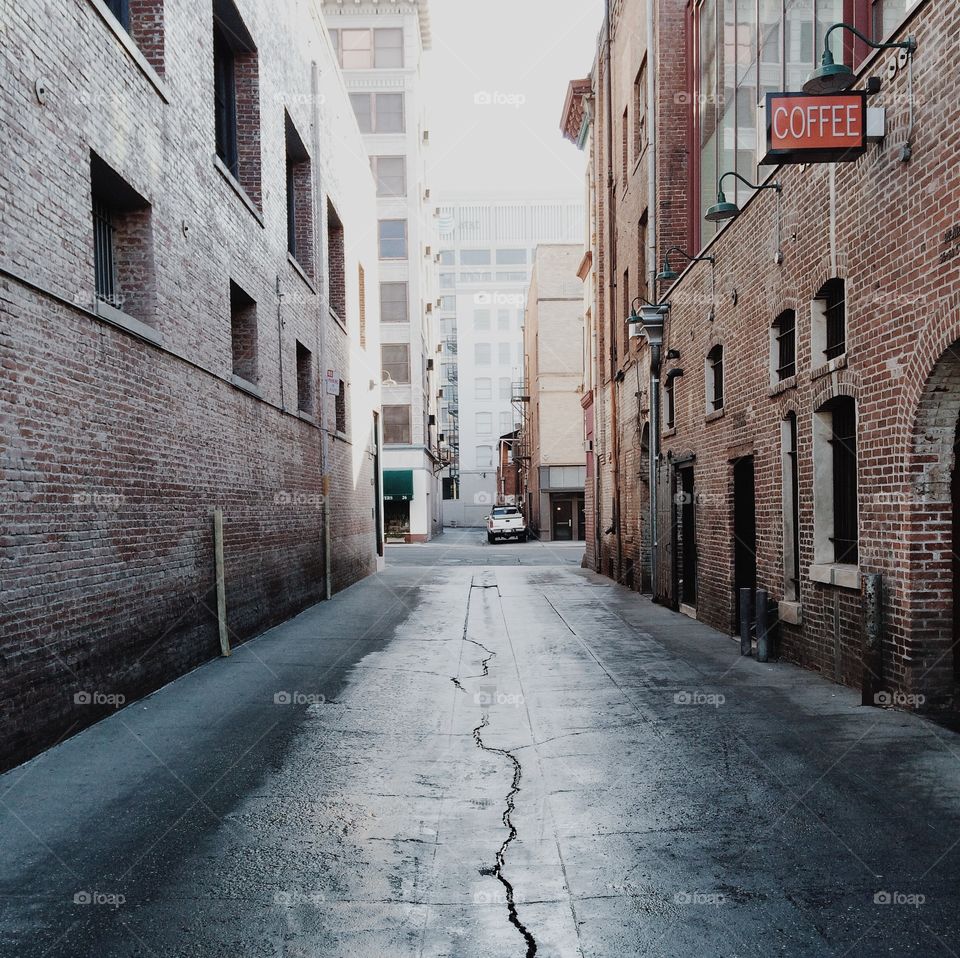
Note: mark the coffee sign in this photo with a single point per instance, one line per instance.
(813, 128)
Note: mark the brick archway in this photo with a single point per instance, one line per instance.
(931, 607)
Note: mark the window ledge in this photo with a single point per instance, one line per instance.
(128, 44)
(844, 575)
(301, 272)
(334, 315)
(783, 386)
(115, 317)
(790, 612)
(246, 386)
(838, 362)
(237, 188)
(342, 436)
(667, 433)
(715, 415)
(307, 417)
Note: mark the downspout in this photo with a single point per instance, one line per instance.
(654, 442)
(612, 288)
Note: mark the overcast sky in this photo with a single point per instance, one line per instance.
(496, 78)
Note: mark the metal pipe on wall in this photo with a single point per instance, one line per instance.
(654, 440)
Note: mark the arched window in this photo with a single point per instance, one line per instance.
(791, 508)
(835, 485)
(828, 327)
(714, 378)
(783, 346)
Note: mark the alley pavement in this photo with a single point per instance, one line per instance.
(487, 751)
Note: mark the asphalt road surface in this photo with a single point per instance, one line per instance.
(487, 751)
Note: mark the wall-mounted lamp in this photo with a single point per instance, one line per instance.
(667, 274)
(832, 77)
(673, 354)
(649, 320)
(722, 210)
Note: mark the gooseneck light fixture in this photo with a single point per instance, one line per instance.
(722, 210)
(832, 77)
(668, 274)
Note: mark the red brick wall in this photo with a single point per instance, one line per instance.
(114, 452)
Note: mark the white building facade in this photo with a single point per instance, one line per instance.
(486, 257)
(380, 49)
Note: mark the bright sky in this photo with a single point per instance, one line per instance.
(496, 78)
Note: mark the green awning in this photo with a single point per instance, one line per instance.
(397, 485)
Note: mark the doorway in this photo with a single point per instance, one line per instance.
(685, 537)
(562, 520)
(744, 533)
(955, 547)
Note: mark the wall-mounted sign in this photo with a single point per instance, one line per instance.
(805, 128)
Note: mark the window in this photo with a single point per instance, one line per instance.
(481, 354)
(784, 346)
(379, 112)
(623, 330)
(505, 390)
(640, 111)
(396, 424)
(503, 320)
(390, 172)
(143, 21)
(791, 508)
(396, 363)
(504, 354)
(299, 199)
(340, 406)
(243, 334)
(356, 52)
(484, 457)
(506, 422)
(388, 48)
(393, 303)
(484, 422)
(448, 280)
(642, 269)
(305, 389)
(745, 50)
(483, 388)
(828, 326)
(446, 257)
(393, 239)
(448, 303)
(123, 258)
(236, 98)
(336, 266)
(481, 320)
(669, 402)
(475, 257)
(835, 485)
(715, 379)
(624, 140)
(511, 257)
(362, 305)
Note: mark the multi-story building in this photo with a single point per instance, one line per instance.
(551, 447)
(486, 257)
(787, 422)
(380, 50)
(189, 345)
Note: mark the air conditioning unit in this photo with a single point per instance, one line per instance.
(426, 136)
(429, 365)
(432, 420)
(429, 307)
(429, 251)
(588, 445)
(426, 194)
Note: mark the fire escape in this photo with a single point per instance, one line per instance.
(451, 427)
(522, 452)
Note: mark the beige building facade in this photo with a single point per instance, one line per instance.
(552, 439)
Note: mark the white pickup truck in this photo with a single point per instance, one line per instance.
(506, 522)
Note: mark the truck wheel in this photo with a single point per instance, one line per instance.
(523, 537)
(490, 538)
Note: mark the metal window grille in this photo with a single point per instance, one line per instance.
(834, 294)
(844, 443)
(792, 454)
(225, 98)
(291, 210)
(786, 339)
(104, 260)
(670, 411)
(716, 364)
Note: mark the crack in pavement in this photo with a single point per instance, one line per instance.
(497, 870)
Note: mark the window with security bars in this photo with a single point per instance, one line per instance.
(834, 301)
(791, 508)
(299, 198)
(669, 402)
(843, 443)
(105, 269)
(785, 345)
(340, 407)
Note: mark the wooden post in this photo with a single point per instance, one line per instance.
(221, 589)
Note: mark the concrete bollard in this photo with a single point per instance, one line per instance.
(745, 616)
(763, 627)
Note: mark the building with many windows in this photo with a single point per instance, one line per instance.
(189, 345)
(780, 422)
(486, 258)
(380, 49)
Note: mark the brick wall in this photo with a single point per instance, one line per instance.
(113, 450)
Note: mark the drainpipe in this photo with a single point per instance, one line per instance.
(654, 442)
